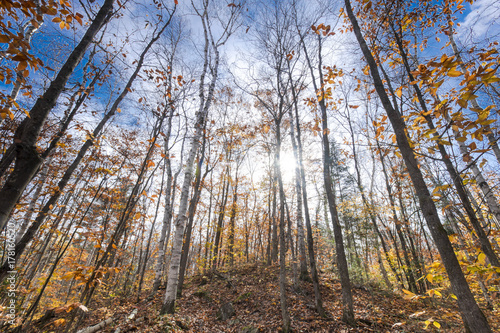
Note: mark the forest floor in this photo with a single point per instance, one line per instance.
(253, 292)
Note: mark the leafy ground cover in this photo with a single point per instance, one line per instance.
(253, 294)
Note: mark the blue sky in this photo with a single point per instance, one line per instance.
(480, 21)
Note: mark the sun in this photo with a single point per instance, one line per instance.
(287, 165)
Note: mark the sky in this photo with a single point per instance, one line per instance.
(480, 21)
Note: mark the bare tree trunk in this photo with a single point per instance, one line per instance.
(232, 218)
(31, 208)
(220, 219)
(343, 270)
(304, 275)
(310, 240)
(150, 237)
(191, 212)
(201, 116)
(282, 280)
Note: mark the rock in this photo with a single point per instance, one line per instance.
(226, 311)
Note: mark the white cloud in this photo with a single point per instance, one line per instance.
(481, 23)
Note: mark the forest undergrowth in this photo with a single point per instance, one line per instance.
(249, 295)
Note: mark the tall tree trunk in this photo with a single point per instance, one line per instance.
(201, 116)
(298, 187)
(343, 270)
(191, 212)
(310, 241)
(473, 317)
(285, 315)
(220, 220)
(31, 208)
(232, 219)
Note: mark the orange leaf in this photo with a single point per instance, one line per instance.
(22, 65)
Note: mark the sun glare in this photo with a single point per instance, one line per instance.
(287, 164)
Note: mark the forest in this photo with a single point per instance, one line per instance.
(249, 166)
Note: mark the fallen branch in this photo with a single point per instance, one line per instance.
(97, 327)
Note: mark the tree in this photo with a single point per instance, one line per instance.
(211, 46)
(27, 158)
(473, 317)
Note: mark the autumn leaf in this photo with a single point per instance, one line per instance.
(454, 73)
(481, 258)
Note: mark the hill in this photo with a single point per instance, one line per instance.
(250, 298)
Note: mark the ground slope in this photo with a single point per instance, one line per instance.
(253, 294)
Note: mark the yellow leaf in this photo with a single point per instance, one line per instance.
(481, 258)
(468, 96)
(97, 246)
(59, 322)
(462, 103)
(62, 24)
(438, 325)
(408, 294)
(114, 246)
(399, 92)
(430, 277)
(491, 80)
(454, 73)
